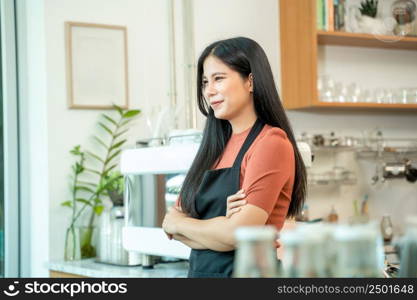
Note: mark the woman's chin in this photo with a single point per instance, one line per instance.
(220, 115)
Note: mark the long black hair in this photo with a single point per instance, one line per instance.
(244, 56)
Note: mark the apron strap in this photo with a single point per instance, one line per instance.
(256, 129)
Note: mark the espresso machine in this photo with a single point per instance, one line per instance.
(146, 171)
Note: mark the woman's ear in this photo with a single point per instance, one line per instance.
(250, 82)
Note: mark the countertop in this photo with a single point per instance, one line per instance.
(91, 268)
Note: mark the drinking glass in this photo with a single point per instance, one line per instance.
(326, 87)
(379, 95)
(340, 92)
(354, 93)
(400, 96)
(389, 96)
(412, 96)
(366, 96)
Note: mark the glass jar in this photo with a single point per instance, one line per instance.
(256, 254)
(404, 12)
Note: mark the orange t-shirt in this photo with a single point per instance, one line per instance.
(267, 171)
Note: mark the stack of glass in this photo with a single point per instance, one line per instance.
(331, 90)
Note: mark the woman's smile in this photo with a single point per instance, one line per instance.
(216, 104)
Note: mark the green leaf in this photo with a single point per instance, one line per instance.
(113, 156)
(105, 128)
(97, 201)
(67, 203)
(109, 169)
(110, 119)
(118, 144)
(120, 133)
(98, 140)
(131, 113)
(125, 122)
(119, 109)
(93, 171)
(84, 188)
(87, 183)
(83, 201)
(78, 168)
(98, 209)
(76, 150)
(95, 156)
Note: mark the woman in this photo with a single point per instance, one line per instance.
(248, 170)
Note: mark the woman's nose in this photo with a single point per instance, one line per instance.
(210, 89)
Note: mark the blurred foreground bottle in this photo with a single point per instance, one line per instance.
(256, 254)
(359, 251)
(307, 251)
(408, 261)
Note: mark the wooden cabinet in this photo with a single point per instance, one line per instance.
(300, 40)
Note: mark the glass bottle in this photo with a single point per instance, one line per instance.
(386, 228)
(256, 254)
(359, 251)
(333, 217)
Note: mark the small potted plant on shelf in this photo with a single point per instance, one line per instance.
(368, 22)
(94, 179)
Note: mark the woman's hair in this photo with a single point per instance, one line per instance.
(244, 56)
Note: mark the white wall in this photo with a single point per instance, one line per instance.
(149, 85)
(146, 23)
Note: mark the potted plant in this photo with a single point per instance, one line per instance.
(93, 179)
(368, 21)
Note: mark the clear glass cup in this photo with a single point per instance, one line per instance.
(379, 95)
(326, 86)
(413, 96)
(340, 92)
(400, 96)
(354, 92)
(366, 96)
(389, 96)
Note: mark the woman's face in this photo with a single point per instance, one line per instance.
(228, 94)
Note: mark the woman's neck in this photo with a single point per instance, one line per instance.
(243, 122)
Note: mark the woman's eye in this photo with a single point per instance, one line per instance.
(218, 78)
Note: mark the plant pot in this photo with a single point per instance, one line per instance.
(375, 26)
(80, 243)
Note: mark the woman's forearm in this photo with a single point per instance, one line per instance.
(215, 234)
(218, 233)
(190, 243)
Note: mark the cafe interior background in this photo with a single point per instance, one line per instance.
(351, 143)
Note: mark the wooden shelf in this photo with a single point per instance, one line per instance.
(366, 40)
(300, 40)
(355, 106)
(367, 105)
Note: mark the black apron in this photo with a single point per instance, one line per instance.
(211, 197)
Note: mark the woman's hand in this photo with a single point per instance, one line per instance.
(171, 220)
(235, 203)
